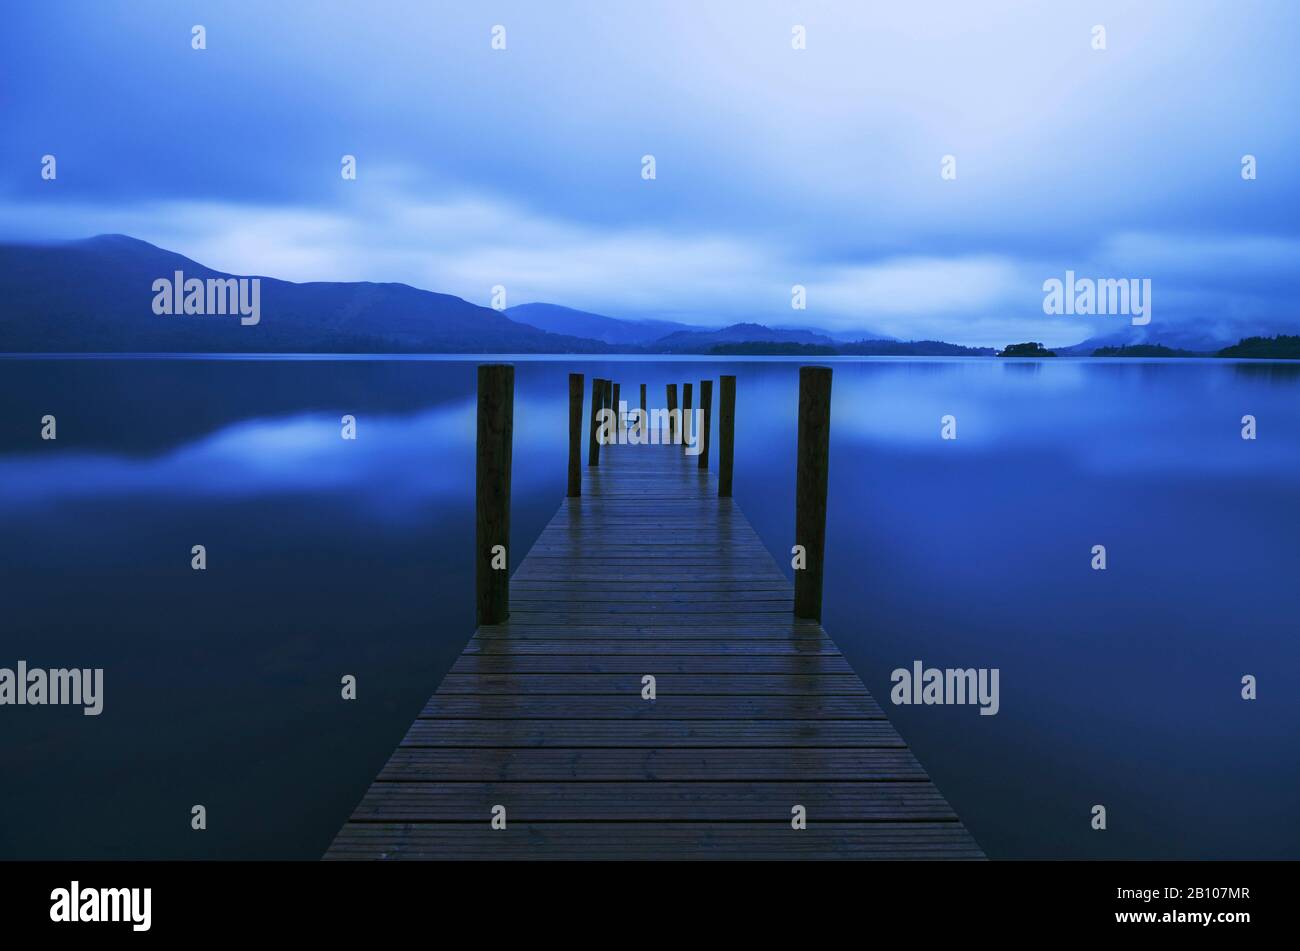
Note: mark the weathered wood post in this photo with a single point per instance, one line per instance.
(726, 433)
(645, 417)
(706, 410)
(593, 447)
(686, 413)
(672, 405)
(496, 412)
(618, 417)
(810, 487)
(575, 435)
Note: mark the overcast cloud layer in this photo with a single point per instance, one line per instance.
(775, 167)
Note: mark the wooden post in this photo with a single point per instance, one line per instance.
(618, 417)
(593, 447)
(575, 435)
(645, 418)
(686, 413)
(672, 405)
(706, 410)
(607, 401)
(496, 411)
(726, 433)
(810, 487)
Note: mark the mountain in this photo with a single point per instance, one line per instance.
(844, 336)
(912, 348)
(580, 323)
(1143, 350)
(1175, 338)
(772, 349)
(703, 341)
(1281, 347)
(96, 295)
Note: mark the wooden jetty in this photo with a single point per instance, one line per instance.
(542, 742)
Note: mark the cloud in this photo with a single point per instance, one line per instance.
(821, 167)
(467, 244)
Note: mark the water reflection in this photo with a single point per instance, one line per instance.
(332, 556)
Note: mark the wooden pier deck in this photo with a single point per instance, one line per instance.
(649, 572)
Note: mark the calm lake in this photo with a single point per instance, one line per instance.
(329, 557)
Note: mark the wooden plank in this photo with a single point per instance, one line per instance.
(656, 841)
(679, 734)
(606, 630)
(650, 764)
(629, 706)
(677, 647)
(669, 684)
(673, 663)
(642, 802)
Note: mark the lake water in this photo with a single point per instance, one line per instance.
(329, 557)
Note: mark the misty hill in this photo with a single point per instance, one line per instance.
(581, 323)
(1175, 338)
(772, 349)
(872, 348)
(703, 341)
(1281, 347)
(912, 348)
(96, 295)
(1143, 350)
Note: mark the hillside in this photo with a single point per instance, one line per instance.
(96, 296)
(580, 323)
(704, 341)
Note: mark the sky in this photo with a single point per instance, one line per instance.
(774, 166)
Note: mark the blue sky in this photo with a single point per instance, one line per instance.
(775, 166)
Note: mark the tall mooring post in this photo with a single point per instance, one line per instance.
(593, 445)
(810, 488)
(726, 433)
(706, 411)
(645, 416)
(496, 412)
(575, 435)
(686, 413)
(673, 422)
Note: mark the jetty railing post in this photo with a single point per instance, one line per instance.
(686, 413)
(726, 433)
(593, 446)
(672, 415)
(575, 435)
(706, 410)
(608, 401)
(496, 413)
(618, 417)
(810, 488)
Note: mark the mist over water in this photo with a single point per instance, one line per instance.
(329, 557)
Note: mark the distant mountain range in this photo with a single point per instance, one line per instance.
(98, 295)
(578, 323)
(703, 341)
(1175, 338)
